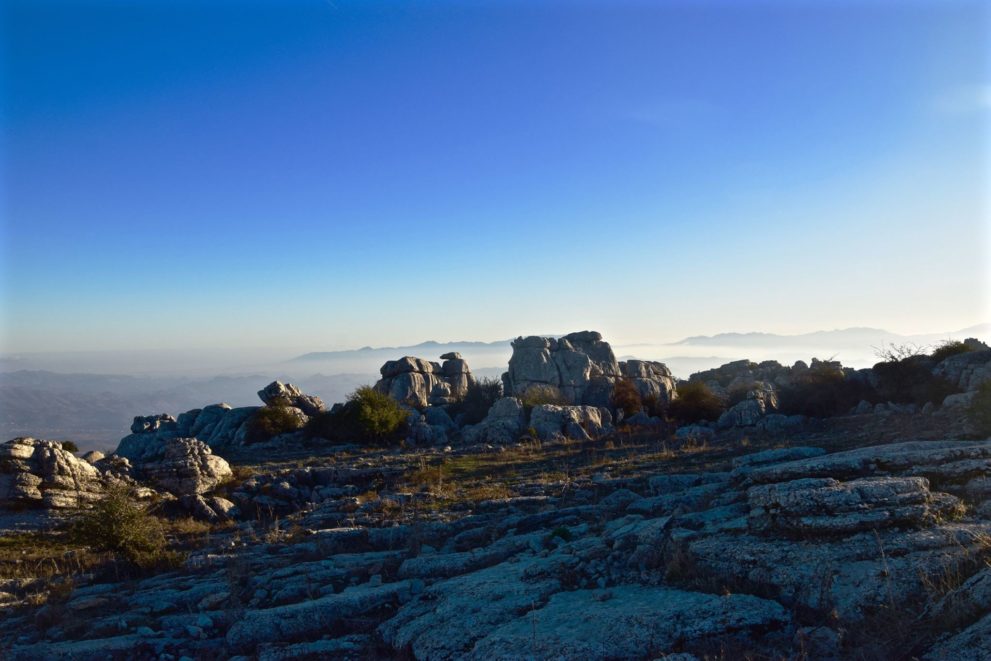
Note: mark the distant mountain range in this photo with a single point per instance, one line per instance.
(842, 337)
(424, 349)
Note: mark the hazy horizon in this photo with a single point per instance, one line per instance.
(318, 176)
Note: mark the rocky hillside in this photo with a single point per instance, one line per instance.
(575, 516)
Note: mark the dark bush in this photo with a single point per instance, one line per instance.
(947, 349)
(475, 405)
(626, 398)
(979, 410)
(122, 526)
(368, 416)
(695, 403)
(70, 446)
(821, 391)
(270, 421)
(911, 381)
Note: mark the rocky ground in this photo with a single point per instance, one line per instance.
(630, 546)
(540, 531)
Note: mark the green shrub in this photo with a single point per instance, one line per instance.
(122, 526)
(947, 349)
(822, 391)
(540, 394)
(979, 410)
(70, 446)
(695, 402)
(626, 398)
(475, 405)
(270, 421)
(368, 416)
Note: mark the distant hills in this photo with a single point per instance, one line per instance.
(859, 337)
(424, 349)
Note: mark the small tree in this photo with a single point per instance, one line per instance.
(122, 526)
(270, 421)
(695, 402)
(948, 348)
(479, 398)
(626, 398)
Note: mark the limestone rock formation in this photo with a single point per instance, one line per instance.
(817, 506)
(969, 370)
(574, 422)
(503, 424)
(286, 394)
(420, 383)
(40, 473)
(180, 466)
(583, 367)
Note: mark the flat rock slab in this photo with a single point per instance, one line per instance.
(827, 506)
(629, 622)
(924, 458)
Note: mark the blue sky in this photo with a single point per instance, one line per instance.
(338, 173)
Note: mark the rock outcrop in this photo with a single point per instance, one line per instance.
(181, 466)
(580, 423)
(503, 424)
(583, 367)
(286, 394)
(421, 383)
(967, 371)
(37, 473)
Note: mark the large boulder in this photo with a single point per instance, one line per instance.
(575, 422)
(421, 383)
(40, 473)
(181, 466)
(503, 424)
(583, 367)
(288, 395)
(967, 371)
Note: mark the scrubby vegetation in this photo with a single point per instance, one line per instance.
(124, 527)
(948, 348)
(367, 416)
(270, 421)
(69, 446)
(540, 394)
(979, 411)
(626, 398)
(821, 391)
(910, 381)
(695, 402)
(481, 395)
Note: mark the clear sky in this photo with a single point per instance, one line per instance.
(337, 173)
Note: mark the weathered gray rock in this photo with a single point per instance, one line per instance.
(503, 424)
(151, 423)
(624, 621)
(742, 414)
(286, 394)
(848, 576)
(583, 368)
(971, 644)
(41, 474)
(311, 618)
(182, 466)
(824, 506)
(966, 371)
(92, 456)
(923, 458)
(575, 422)
(420, 383)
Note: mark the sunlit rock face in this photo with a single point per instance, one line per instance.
(40, 473)
(422, 383)
(583, 367)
